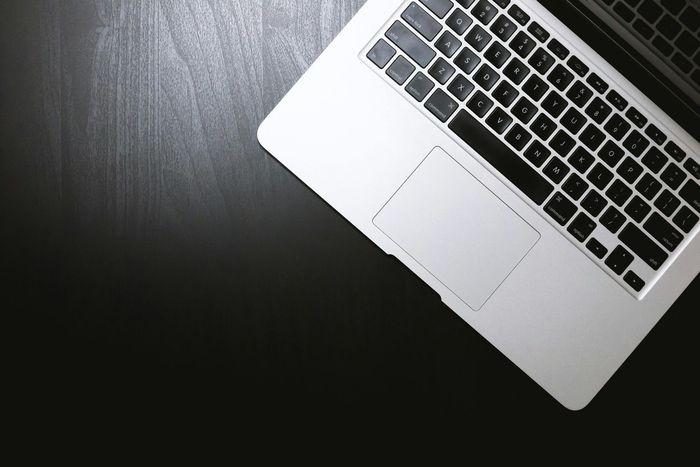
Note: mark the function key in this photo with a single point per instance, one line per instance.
(381, 53)
(558, 49)
(421, 21)
(619, 260)
(578, 66)
(692, 167)
(636, 117)
(438, 7)
(538, 31)
(466, 3)
(619, 102)
(519, 15)
(634, 281)
(643, 28)
(597, 248)
(597, 83)
(503, 28)
(459, 21)
(656, 135)
(691, 18)
(650, 10)
(674, 151)
(669, 27)
(686, 219)
(502, 3)
(484, 11)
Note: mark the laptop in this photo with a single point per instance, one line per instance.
(535, 162)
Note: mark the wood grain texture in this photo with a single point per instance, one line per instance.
(149, 241)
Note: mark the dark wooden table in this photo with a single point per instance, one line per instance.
(156, 255)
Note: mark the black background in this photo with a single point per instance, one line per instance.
(156, 260)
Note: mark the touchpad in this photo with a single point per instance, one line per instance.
(456, 228)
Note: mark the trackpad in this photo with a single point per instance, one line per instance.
(456, 228)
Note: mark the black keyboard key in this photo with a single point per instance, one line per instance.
(518, 137)
(554, 104)
(502, 3)
(691, 194)
(478, 38)
(497, 54)
(687, 43)
(613, 220)
(562, 143)
(662, 46)
(582, 227)
(655, 160)
(597, 248)
(560, 77)
(686, 219)
(466, 3)
(522, 44)
(619, 193)
(448, 44)
(411, 44)
(600, 176)
(629, 170)
(524, 110)
(673, 176)
(484, 11)
(573, 121)
(421, 21)
(543, 127)
(598, 110)
(624, 11)
(592, 137)
(441, 71)
(648, 187)
(459, 22)
(467, 60)
(541, 61)
(690, 18)
(439, 7)
(692, 167)
(669, 27)
(558, 49)
(486, 77)
(656, 135)
(667, 203)
(538, 31)
(650, 10)
(636, 143)
(420, 86)
(519, 15)
(581, 160)
(578, 66)
(634, 281)
(638, 209)
(400, 70)
(503, 28)
(537, 153)
(620, 259)
(381, 54)
(501, 157)
(663, 232)
(594, 203)
(460, 87)
(560, 209)
(636, 117)
(579, 94)
(556, 170)
(505, 94)
(619, 102)
(611, 153)
(597, 83)
(480, 104)
(682, 63)
(575, 187)
(535, 88)
(617, 127)
(441, 105)
(674, 151)
(516, 71)
(643, 28)
(499, 120)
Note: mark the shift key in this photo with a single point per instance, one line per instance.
(411, 44)
(663, 232)
(643, 246)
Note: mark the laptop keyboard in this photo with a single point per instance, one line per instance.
(600, 170)
(671, 28)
